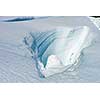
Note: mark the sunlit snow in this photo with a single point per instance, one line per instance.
(59, 49)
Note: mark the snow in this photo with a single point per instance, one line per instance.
(18, 66)
(59, 49)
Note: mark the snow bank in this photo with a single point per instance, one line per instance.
(58, 49)
(16, 67)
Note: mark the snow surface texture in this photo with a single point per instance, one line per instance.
(96, 21)
(57, 50)
(17, 65)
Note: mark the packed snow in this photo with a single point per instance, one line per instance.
(18, 65)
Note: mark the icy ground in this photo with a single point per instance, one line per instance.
(14, 67)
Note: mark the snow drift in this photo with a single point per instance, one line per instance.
(17, 63)
(57, 50)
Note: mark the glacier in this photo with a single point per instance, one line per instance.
(17, 63)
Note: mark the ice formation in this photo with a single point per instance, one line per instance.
(57, 50)
(18, 61)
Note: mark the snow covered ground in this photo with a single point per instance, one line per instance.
(17, 66)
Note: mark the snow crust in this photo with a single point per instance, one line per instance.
(17, 65)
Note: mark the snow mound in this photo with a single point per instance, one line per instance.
(56, 50)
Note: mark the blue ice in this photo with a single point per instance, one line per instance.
(56, 50)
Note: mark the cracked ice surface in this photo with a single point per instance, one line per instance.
(17, 65)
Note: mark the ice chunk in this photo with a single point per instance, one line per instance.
(57, 50)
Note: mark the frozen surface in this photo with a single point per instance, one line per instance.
(58, 50)
(18, 67)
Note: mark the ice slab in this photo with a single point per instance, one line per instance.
(57, 50)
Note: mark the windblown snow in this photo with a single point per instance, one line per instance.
(18, 65)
